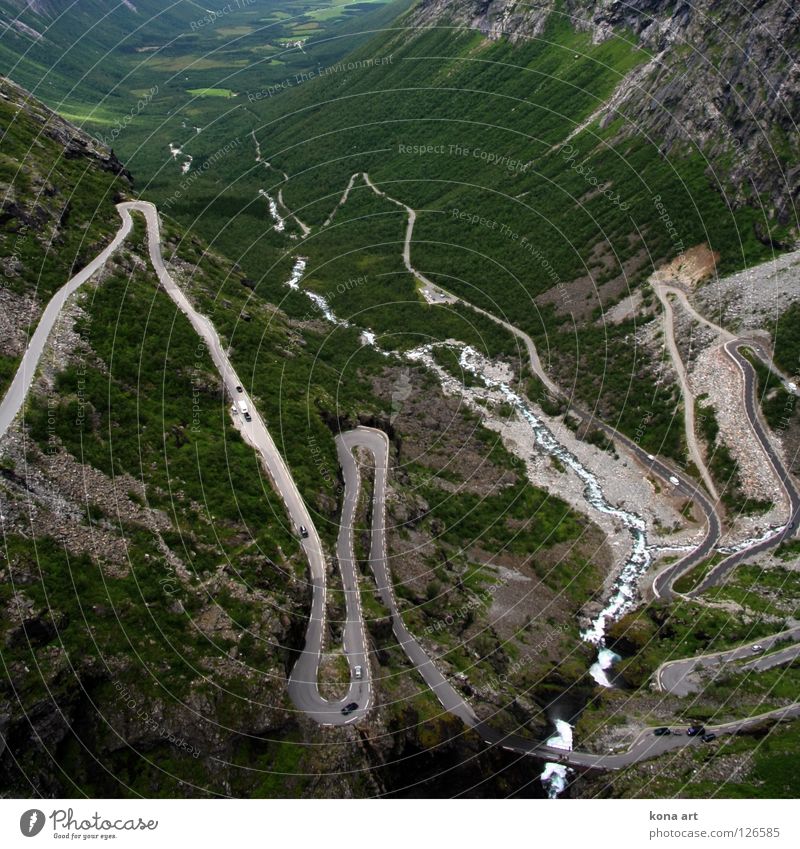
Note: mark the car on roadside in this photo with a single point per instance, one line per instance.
(694, 730)
(662, 732)
(708, 737)
(349, 708)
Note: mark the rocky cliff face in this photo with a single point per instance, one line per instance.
(47, 231)
(144, 650)
(721, 76)
(73, 141)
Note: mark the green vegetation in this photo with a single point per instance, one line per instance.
(787, 341)
(146, 403)
(211, 92)
(539, 229)
(771, 688)
(759, 765)
(706, 419)
(777, 403)
(659, 632)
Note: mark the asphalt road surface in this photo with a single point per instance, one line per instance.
(679, 676)
(302, 683)
(751, 408)
(303, 687)
(647, 744)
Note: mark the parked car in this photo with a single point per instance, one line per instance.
(694, 730)
(662, 732)
(349, 708)
(707, 738)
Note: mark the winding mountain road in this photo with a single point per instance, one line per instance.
(645, 746)
(303, 680)
(751, 407)
(678, 676)
(377, 443)
(663, 293)
(302, 685)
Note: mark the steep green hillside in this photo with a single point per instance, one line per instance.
(130, 73)
(554, 137)
(155, 597)
(532, 204)
(57, 210)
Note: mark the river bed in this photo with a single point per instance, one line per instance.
(624, 590)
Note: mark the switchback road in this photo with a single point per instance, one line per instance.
(679, 676)
(647, 745)
(302, 685)
(303, 681)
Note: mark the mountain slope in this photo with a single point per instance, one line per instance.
(66, 49)
(720, 76)
(522, 143)
(58, 193)
(153, 596)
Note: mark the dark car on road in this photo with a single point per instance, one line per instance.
(349, 708)
(239, 389)
(303, 531)
(662, 732)
(694, 730)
